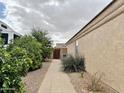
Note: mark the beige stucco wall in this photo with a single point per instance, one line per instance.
(63, 51)
(103, 49)
(71, 49)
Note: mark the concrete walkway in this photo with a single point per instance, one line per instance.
(56, 81)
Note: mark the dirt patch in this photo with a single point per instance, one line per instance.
(34, 79)
(81, 83)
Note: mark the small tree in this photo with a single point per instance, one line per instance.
(46, 42)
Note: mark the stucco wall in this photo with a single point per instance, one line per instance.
(63, 52)
(71, 49)
(103, 49)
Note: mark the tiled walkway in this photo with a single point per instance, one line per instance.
(56, 81)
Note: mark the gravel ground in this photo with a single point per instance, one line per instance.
(80, 84)
(34, 79)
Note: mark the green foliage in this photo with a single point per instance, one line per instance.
(46, 42)
(11, 70)
(20, 58)
(24, 54)
(73, 64)
(33, 49)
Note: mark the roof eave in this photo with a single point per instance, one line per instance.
(91, 21)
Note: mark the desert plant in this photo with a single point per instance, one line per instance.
(73, 64)
(96, 84)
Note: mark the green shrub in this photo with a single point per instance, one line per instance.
(73, 64)
(10, 77)
(20, 58)
(33, 49)
(24, 54)
(46, 42)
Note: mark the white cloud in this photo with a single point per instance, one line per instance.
(62, 18)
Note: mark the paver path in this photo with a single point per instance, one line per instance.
(56, 81)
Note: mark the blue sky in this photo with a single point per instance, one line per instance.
(2, 10)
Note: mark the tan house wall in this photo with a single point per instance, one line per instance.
(71, 49)
(103, 47)
(63, 51)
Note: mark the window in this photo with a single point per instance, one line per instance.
(2, 25)
(5, 37)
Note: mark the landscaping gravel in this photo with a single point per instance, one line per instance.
(78, 82)
(81, 83)
(34, 79)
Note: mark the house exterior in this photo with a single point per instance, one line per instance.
(7, 33)
(59, 51)
(101, 42)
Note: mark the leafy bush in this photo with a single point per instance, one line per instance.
(20, 58)
(24, 54)
(10, 75)
(33, 49)
(73, 64)
(46, 42)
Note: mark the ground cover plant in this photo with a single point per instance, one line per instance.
(73, 64)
